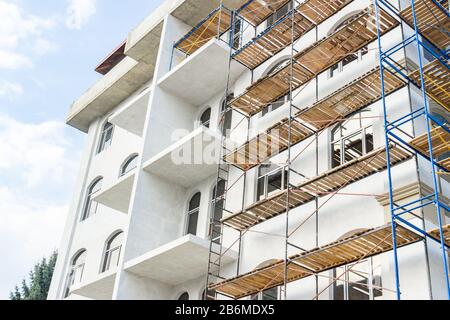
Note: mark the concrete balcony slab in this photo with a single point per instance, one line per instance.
(131, 116)
(176, 262)
(203, 74)
(118, 195)
(99, 289)
(189, 160)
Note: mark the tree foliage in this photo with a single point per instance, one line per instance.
(38, 283)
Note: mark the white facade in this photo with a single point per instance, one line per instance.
(155, 113)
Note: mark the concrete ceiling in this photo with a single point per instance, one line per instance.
(177, 262)
(113, 88)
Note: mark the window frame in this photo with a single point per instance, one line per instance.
(206, 124)
(363, 131)
(191, 212)
(265, 177)
(104, 144)
(282, 100)
(125, 169)
(108, 251)
(346, 284)
(274, 17)
(90, 193)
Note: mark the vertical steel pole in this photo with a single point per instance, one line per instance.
(388, 155)
(430, 143)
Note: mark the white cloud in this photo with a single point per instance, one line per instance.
(42, 47)
(10, 90)
(79, 12)
(13, 61)
(18, 30)
(37, 169)
(38, 152)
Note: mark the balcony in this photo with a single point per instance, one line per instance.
(176, 262)
(99, 289)
(118, 195)
(194, 167)
(131, 116)
(204, 71)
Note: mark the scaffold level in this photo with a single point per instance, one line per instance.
(436, 235)
(357, 247)
(437, 81)
(330, 110)
(320, 186)
(312, 61)
(214, 25)
(278, 36)
(432, 21)
(256, 11)
(440, 138)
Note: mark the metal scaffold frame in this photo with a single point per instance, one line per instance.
(303, 123)
(433, 46)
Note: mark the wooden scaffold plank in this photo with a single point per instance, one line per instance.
(432, 21)
(312, 61)
(280, 34)
(322, 185)
(359, 246)
(214, 25)
(323, 114)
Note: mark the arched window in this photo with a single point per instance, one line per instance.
(105, 137)
(205, 118)
(90, 206)
(358, 281)
(192, 216)
(271, 178)
(352, 138)
(217, 205)
(356, 56)
(112, 251)
(269, 294)
(282, 100)
(183, 297)
(76, 270)
(129, 165)
(227, 115)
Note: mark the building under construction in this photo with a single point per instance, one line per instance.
(276, 149)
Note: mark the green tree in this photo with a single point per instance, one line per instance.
(39, 281)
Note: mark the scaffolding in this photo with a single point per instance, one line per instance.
(430, 21)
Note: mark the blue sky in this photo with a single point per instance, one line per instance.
(48, 52)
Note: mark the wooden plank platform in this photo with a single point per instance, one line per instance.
(433, 23)
(359, 246)
(256, 12)
(437, 235)
(437, 82)
(207, 29)
(278, 36)
(440, 139)
(312, 61)
(330, 110)
(322, 185)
